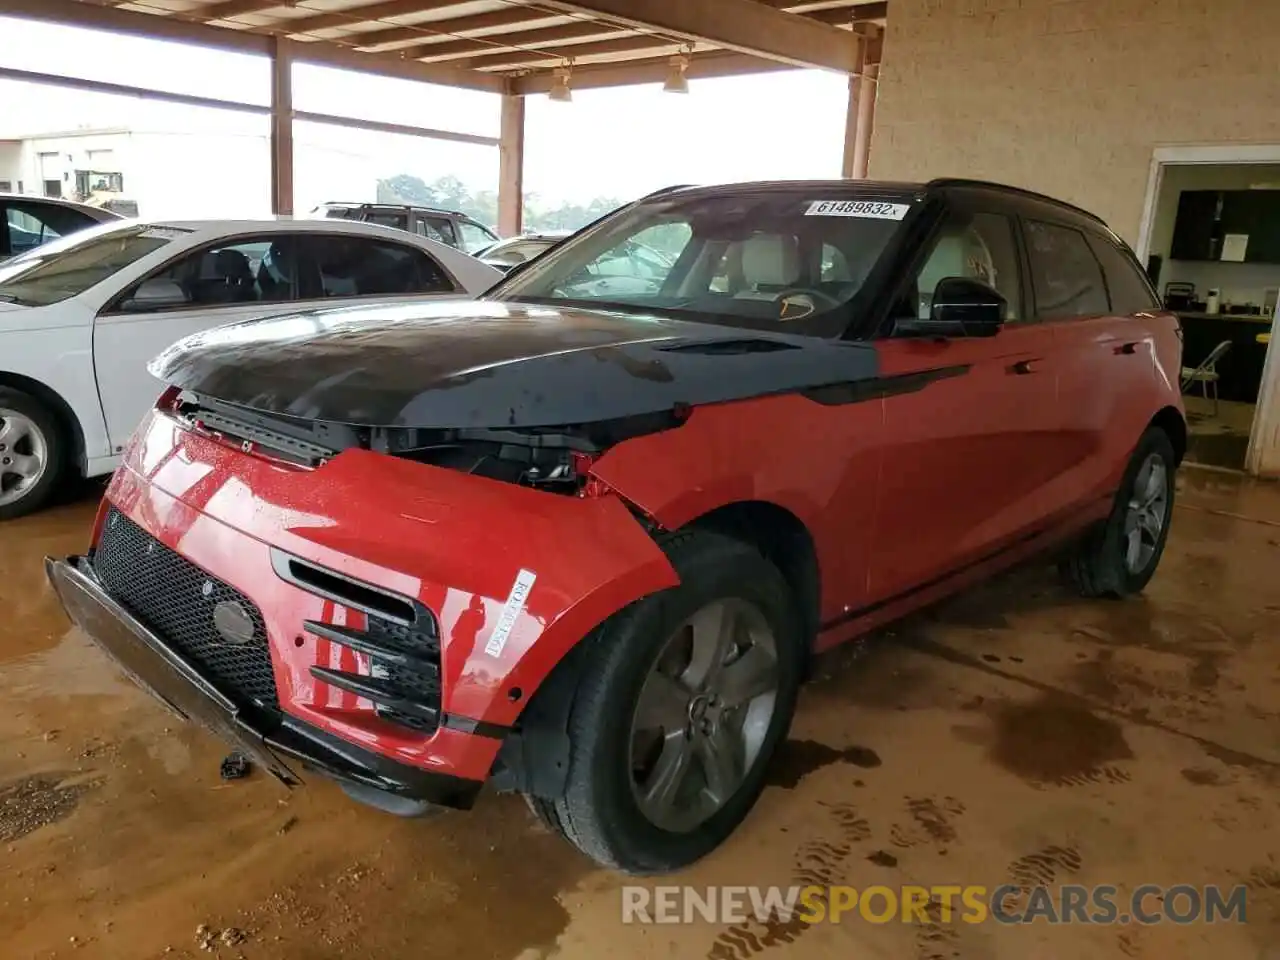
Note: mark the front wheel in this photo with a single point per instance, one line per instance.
(32, 454)
(1120, 558)
(683, 699)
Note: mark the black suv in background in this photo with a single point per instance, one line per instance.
(448, 226)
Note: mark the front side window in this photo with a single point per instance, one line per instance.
(338, 265)
(754, 260)
(66, 268)
(238, 271)
(474, 237)
(977, 246)
(1127, 284)
(1065, 274)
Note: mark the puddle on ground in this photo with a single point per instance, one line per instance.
(796, 759)
(1055, 740)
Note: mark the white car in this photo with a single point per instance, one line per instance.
(80, 318)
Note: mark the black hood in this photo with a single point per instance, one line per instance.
(456, 364)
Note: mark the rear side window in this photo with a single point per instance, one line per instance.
(1127, 284)
(343, 266)
(439, 228)
(1065, 274)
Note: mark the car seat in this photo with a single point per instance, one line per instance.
(959, 253)
(769, 264)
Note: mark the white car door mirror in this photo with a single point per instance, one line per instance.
(156, 294)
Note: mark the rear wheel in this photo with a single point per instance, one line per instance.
(1120, 558)
(683, 698)
(32, 454)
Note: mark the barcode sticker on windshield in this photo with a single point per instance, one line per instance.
(867, 209)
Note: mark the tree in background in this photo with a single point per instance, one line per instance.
(452, 194)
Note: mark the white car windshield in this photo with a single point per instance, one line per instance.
(786, 260)
(63, 269)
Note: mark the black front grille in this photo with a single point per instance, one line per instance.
(176, 599)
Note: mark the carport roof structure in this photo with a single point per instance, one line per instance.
(509, 47)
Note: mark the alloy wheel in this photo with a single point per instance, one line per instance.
(24, 455)
(1147, 513)
(703, 714)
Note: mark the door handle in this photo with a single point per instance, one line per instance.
(1127, 348)
(1023, 367)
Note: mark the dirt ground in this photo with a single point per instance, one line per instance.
(1013, 735)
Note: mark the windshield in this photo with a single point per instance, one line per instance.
(781, 260)
(68, 267)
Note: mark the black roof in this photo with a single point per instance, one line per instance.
(873, 188)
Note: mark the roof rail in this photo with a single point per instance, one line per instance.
(1006, 188)
(671, 189)
(395, 206)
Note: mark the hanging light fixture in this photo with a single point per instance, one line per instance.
(560, 91)
(676, 81)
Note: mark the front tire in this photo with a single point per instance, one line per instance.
(683, 699)
(1119, 558)
(32, 454)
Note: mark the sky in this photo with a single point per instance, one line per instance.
(618, 142)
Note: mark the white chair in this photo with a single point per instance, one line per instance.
(1206, 374)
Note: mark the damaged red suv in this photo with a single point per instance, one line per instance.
(581, 538)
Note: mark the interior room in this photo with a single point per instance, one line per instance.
(1215, 259)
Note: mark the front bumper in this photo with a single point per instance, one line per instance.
(269, 742)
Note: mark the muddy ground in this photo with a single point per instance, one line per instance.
(1015, 734)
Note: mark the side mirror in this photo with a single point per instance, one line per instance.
(962, 307)
(156, 294)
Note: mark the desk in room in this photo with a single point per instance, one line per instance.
(1240, 369)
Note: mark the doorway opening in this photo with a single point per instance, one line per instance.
(1210, 238)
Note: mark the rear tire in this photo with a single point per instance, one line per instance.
(618, 807)
(1119, 558)
(33, 454)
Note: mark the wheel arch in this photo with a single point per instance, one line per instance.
(57, 405)
(785, 541)
(1171, 421)
(534, 758)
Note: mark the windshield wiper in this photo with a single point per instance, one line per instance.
(10, 298)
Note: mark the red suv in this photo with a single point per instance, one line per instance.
(581, 541)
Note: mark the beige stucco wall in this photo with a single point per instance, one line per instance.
(1071, 96)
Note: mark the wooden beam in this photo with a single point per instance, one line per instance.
(400, 129)
(281, 127)
(156, 27)
(136, 24)
(866, 13)
(481, 23)
(230, 9)
(368, 14)
(511, 167)
(573, 33)
(741, 25)
(702, 66)
(552, 55)
(128, 90)
(391, 65)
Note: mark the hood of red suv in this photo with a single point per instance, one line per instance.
(486, 364)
